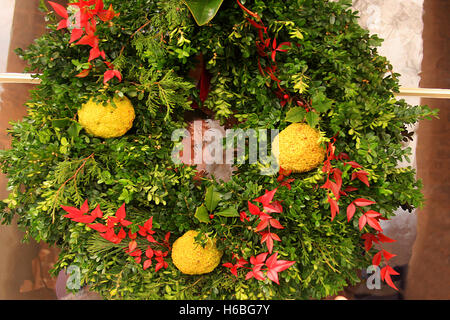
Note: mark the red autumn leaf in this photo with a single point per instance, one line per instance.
(267, 198)
(276, 224)
(387, 255)
(262, 225)
(354, 164)
(259, 259)
(386, 273)
(335, 189)
(132, 245)
(337, 175)
(361, 202)
(268, 238)
(120, 216)
(243, 216)
(97, 212)
(287, 183)
(368, 240)
(275, 266)
(107, 15)
(147, 264)
(376, 259)
(62, 24)
(76, 34)
(350, 189)
(121, 234)
(135, 253)
(149, 252)
(151, 239)
(254, 209)
(350, 211)
(111, 236)
(384, 239)
(334, 207)
(98, 227)
(161, 264)
(167, 237)
(84, 219)
(108, 75)
(59, 9)
(362, 176)
(362, 222)
(254, 15)
(72, 212)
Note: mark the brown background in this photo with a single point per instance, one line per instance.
(428, 276)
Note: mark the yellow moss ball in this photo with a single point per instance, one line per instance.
(191, 258)
(297, 148)
(107, 120)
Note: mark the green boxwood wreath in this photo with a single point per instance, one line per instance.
(332, 67)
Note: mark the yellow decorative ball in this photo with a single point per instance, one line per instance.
(297, 148)
(191, 258)
(107, 120)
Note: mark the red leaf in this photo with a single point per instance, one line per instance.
(387, 255)
(334, 207)
(254, 209)
(98, 227)
(385, 239)
(132, 245)
(108, 75)
(149, 252)
(354, 164)
(368, 240)
(97, 212)
(167, 237)
(386, 273)
(59, 9)
(374, 224)
(125, 223)
(350, 211)
(361, 202)
(267, 198)
(350, 189)
(73, 212)
(62, 24)
(262, 225)
(83, 73)
(84, 207)
(376, 259)
(276, 224)
(337, 174)
(121, 234)
(121, 213)
(76, 34)
(147, 264)
(84, 219)
(362, 222)
(94, 53)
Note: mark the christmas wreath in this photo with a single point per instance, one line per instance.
(91, 168)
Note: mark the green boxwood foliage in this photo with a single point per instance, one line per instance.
(155, 44)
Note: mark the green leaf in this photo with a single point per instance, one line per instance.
(202, 214)
(230, 212)
(312, 118)
(296, 114)
(320, 102)
(212, 199)
(74, 130)
(203, 10)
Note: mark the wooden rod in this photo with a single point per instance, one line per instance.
(404, 92)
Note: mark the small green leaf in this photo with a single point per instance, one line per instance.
(203, 10)
(74, 130)
(229, 212)
(202, 214)
(212, 199)
(312, 118)
(296, 114)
